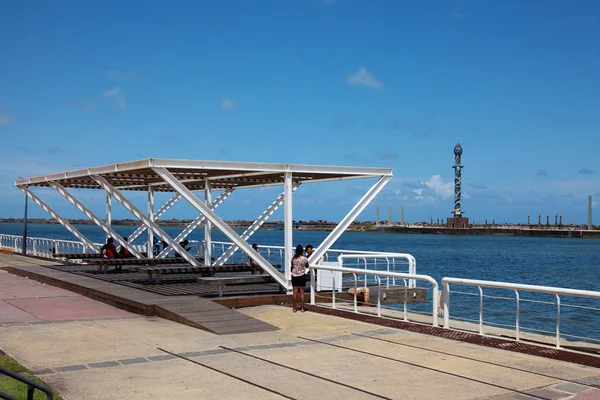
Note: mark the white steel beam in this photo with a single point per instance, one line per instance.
(88, 213)
(108, 211)
(221, 225)
(252, 228)
(60, 219)
(145, 220)
(196, 222)
(207, 226)
(150, 249)
(157, 215)
(348, 219)
(287, 226)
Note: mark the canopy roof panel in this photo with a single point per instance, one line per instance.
(139, 175)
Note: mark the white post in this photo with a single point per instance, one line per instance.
(196, 222)
(557, 321)
(287, 226)
(480, 310)
(517, 321)
(157, 215)
(207, 226)
(108, 211)
(151, 218)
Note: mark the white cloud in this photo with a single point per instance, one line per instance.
(227, 103)
(117, 97)
(440, 188)
(362, 77)
(6, 119)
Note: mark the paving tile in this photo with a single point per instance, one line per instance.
(6, 277)
(71, 368)
(510, 396)
(549, 394)
(161, 358)
(593, 394)
(34, 289)
(590, 381)
(11, 314)
(74, 308)
(570, 387)
(129, 361)
(105, 364)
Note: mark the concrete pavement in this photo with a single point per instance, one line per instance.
(89, 350)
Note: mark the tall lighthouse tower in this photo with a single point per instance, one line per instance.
(457, 221)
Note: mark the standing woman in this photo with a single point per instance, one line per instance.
(299, 269)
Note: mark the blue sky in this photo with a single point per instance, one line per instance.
(349, 82)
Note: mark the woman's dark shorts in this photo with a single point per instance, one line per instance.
(299, 281)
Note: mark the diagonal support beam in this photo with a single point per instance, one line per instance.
(144, 218)
(157, 215)
(196, 222)
(349, 218)
(253, 228)
(88, 213)
(60, 219)
(220, 224)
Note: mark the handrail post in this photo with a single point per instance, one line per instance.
(557, 321)
(333, 292)
(378, 295)
(480, 310)
(405, 300)
(355, 295)
(446, 303)
(517, 321)
(313, 287)
(436, 303)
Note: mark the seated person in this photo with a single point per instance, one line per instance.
(123, 252)
(253, 264)
(185, 246)
(109, 250)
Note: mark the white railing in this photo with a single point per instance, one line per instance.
(356, 272)
(391, 262)
(516, 288)
(41, 247)
(387, 260)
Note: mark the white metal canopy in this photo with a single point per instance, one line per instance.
(187, 177)
(139, 175)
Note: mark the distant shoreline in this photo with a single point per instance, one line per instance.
(575, 231)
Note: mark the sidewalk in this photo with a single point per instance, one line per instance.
(89, 350)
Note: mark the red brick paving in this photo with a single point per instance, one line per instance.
(11, 314)
(23, 290)
(593, 394)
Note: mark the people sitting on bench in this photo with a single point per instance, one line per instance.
(253, 264)
(123, 252)
(109, 250)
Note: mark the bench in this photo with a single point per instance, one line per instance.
(77, 256)
(104, 263)
(221, 282)
(190, 269)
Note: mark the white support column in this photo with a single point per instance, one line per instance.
(88, 213)
(145, 220)
(157, 215)
(287, 226)
(108, 210)
(196, 222)
(60, 219)
(347, 220)
(151, 218)
(220, 224)
(253, 228)
(207, 226)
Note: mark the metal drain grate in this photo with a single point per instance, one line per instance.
(467, 337)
